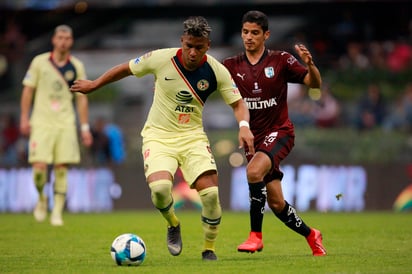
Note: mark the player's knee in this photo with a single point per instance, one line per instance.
(211, 209)
(254, 173)
(161, 193)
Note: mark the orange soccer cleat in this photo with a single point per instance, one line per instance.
(315, 242)
(252, 244)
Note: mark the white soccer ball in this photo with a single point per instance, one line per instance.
(128, 249)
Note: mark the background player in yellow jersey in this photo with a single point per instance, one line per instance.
(173, 135)
(52, 123)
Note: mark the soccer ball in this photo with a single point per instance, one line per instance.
(128, 249)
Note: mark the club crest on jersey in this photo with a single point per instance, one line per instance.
(269, 72)
(202, 85)
(69, 75)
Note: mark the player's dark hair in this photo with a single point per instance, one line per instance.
(197, 26)
(258, 17)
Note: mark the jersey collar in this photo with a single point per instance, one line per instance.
(265, 53)
(180, 58)
(52, 58)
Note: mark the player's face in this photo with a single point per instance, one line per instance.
(193, 50)
(253, 37)
(62, 41)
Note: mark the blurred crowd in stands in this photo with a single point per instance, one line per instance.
(12, 51)
(371, 111)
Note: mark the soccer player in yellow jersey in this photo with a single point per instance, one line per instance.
(52, 122)
(173, 135)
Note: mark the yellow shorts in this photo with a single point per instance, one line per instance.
(54, 146)
(191, 153)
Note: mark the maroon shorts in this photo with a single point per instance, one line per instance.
(277, 144)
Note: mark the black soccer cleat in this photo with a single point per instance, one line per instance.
(174, 240)
(209, 255)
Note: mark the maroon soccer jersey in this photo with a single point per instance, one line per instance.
(264, 87)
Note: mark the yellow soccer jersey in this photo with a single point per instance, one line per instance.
(53, 101)
(179, 94)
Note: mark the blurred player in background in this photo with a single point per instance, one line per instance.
(48, 117)
(262, 76)
(173, 135)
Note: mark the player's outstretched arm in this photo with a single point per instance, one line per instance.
(313, 78)
(114, 74)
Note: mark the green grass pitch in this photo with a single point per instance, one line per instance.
(368, 242)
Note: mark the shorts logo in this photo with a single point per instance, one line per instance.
(212, 160)
(202, 85)
(269, 72)
(146, 153)
(270, 138)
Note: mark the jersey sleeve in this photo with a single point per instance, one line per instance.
(145, 64)
(226, 85)
(31, 77)
(81, 71)
(296, 71)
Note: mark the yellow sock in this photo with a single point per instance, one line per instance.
(210, 236)
(60, 189)
(211, 215)
(170, 216)
(59, 201)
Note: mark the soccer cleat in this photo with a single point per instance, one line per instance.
(315, 242)
(56, 220)
(209, 255)
(252, 244)
(40, 211)
(174, 240)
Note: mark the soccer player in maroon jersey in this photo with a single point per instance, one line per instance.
(262, 76)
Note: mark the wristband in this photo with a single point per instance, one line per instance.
(243, 123)
(85, 127)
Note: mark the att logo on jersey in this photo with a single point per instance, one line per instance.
(184, 109)
(184, 97)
